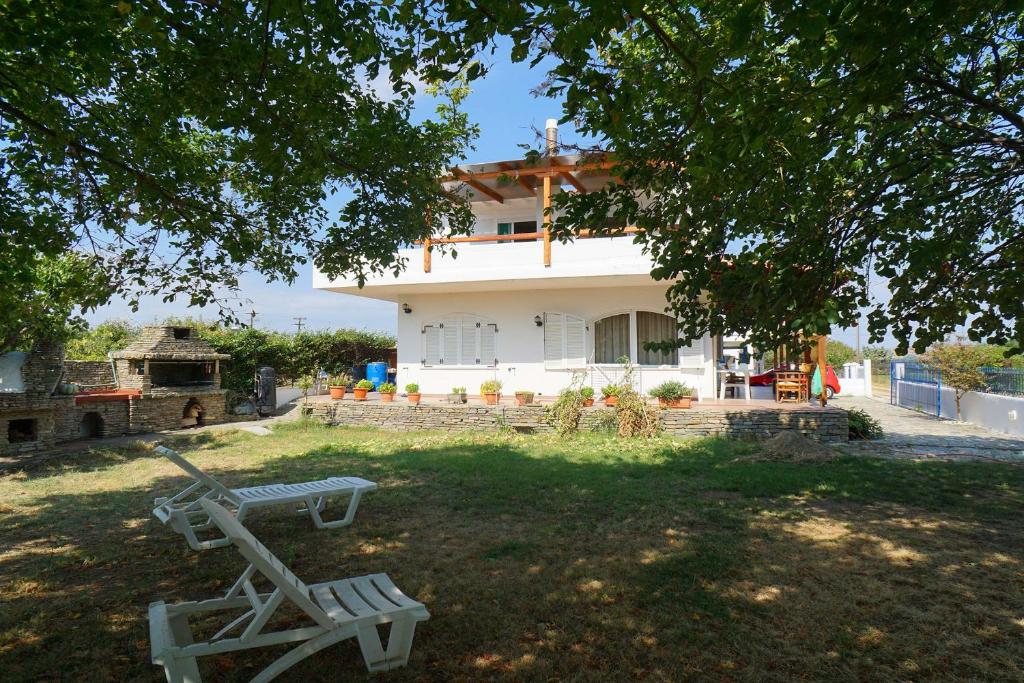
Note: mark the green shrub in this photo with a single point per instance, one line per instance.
(671, 391)
(587, 393)
(95, 343)
(491, 386)
(412, 388)
(458, 390)
(862, 425)
(365, 384)
(387, 388)
(339, 380)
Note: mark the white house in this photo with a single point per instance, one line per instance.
(518, 307)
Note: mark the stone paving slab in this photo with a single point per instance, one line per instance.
(917, 436)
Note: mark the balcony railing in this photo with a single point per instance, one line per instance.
(544, 235)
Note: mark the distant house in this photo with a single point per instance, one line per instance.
(528, 311)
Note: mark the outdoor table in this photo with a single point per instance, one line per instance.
(723, 372)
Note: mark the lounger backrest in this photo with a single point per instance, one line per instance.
(197, 473)
(264, 561)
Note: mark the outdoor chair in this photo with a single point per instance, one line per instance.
(790, 386)
(334, 611)
(184, 514)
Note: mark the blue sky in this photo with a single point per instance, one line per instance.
(507, 113)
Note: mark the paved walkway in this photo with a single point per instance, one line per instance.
(913, 435)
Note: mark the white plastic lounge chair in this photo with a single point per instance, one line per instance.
(184, 514)
(337, 610)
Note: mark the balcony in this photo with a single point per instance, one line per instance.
(505, 262)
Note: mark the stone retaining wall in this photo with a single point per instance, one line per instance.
(821, 425)
(159, 413)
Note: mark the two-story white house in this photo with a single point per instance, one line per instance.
(521, 308)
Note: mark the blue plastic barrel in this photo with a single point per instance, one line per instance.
(377, 373)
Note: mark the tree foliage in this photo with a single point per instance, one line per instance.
(96, 342)
(838, 354)
(178, 143)
(782, 155)
(960, 365)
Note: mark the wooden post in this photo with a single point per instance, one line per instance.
(547, 221)
(822, 368)
(426, 255)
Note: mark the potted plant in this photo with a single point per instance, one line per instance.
(610, 393)
(491, 391)
(337, 384)
(457, 395)
(524, 397)
(363, 386)
(588, 396)
(673, 394)
(387, 392)
(412, 390)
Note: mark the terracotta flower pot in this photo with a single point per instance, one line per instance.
(337, 392)
(387, 398)
(611, 400)
(524, 399)
(414, 398)
(359, 394)
(588, 402)
(491, 398)
(683, 402)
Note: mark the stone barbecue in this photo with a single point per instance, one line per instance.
(168, 379)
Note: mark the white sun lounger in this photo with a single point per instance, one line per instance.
(184, 514)
(337, 610)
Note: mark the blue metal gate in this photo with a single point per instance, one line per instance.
(915, 386)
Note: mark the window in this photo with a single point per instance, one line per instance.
(460, 340)
(564, 341)
(654, 328)
(611, 338)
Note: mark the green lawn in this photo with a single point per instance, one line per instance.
(590, 559)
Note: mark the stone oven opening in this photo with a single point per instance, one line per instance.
(182, 332)
(181, 373)
(192, 415)
(22, 430)
(91, 426)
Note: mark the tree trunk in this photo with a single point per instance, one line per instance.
(957, 394)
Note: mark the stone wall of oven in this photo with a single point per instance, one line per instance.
(160, 413)
(827, 426)
(90, 374)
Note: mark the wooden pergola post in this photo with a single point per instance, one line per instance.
(426, 255)
(547, 220)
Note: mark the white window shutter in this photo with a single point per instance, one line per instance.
(450, 342)
(487, 347)
(692, 356)
(554, 340)
(469, 352)
(431, 345)
(575, 341)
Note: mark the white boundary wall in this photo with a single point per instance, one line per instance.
(995, 411)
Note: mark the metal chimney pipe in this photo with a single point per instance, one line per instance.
(551, 130)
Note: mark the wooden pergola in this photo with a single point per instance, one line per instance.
(499, 181)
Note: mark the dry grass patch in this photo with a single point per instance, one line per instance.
(586, 560)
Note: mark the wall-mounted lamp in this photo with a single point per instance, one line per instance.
(538, 321)
(406, 309)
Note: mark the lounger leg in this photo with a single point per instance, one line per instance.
(403, 629)
(181, 669)
(295, 656)
(350, 513)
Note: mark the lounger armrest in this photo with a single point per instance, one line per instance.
(161, 637)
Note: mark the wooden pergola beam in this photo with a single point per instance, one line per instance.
(473, 181)
(521, 179)
(459, 174)
(574, 182)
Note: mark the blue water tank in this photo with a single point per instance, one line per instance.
(377, 373)
(358, 372)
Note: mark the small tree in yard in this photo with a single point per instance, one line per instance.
(960, 366)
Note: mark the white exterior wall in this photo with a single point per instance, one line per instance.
(519, 343)
(995, 411)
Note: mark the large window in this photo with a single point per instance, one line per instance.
(460, 340)
(611, 338)
(565, 341)
(655, 328)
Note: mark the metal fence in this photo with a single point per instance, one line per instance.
(1009, 381)
(915, 386)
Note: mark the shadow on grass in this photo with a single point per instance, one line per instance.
(591, 559)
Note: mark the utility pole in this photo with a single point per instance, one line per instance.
(856, 325)
(298, 322)
(252, 318)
